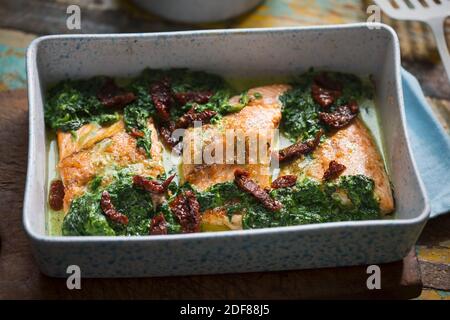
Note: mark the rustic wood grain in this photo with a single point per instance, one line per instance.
(433, 249)
(435, 275)
(21, 279)
(441, 109)
(431, 76)
(49, 17)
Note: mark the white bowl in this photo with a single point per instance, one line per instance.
(233, 53)
(198, 11)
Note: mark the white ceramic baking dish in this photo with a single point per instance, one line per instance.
(250, 53)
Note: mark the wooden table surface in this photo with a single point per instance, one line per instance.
(19, 276)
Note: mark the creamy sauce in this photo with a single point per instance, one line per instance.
(54, 219)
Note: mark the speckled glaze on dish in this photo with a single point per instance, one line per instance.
(288, 51)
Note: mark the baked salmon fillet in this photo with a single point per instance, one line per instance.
(95, 150)
(253, 126)
(353, 147)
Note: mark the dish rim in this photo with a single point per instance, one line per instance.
(32, 76)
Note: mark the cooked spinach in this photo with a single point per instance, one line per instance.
(184, 80)
(137, 113)
(350, 198)
(85, 216)
(86, 219)
(172, 224)
(95, 183)
(300, 113)
(145, 142)
(136, 117)
(222, 194)
(71, 104)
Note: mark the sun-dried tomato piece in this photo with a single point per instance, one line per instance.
(193, 96)
(162, 98)
(187, 120)
(109, 210)
(136, 133)
(325, 91)
(152, 185)
(56, 195)
(112, 96)
(187, 210)
(299, 148)
(242, 180)
(284, 181)
(166, 132)
(158, 225)
(323, 80)
(333, 171)
(324, 97)
(341, 117)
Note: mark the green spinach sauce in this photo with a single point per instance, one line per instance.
(73, 103)
(85, 216)
(349, 198)
(300, 113)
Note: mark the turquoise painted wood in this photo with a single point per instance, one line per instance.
(12, 67)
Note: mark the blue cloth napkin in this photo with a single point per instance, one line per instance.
(430, 145)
